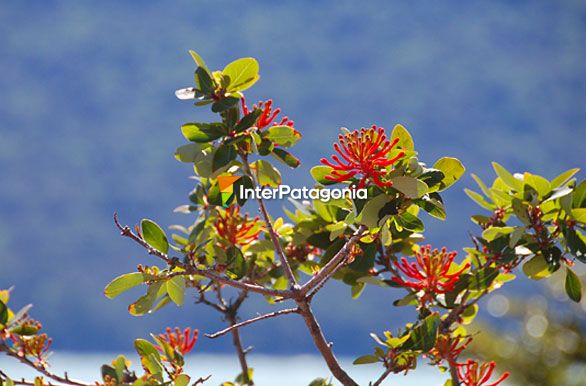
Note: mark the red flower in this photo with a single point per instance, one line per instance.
(364, 152)
(449, 348)
(267, 116)
(472, 373)
(36, 346)
(430, 271)
(180, 341)
(235, 229)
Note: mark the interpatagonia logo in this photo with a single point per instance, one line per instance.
(226, 184)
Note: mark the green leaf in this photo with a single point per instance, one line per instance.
(579, 196)
(357, 290)
(477, 198)
(507, 177)
(224, 104)
(559, 193)
(284, 136)
(433, 205)
(410, 222)
(143, 304)
(203, 81)
(245, 378)
(317, 382)
(423, 336)
(247, 121)
(365, 360)
(203, 132)
(559, 180)
(452, 169)
(145, 348)
(573, 286)
(482, 185)
(494, 233)
(521, 211)
(370, 214)
(242, 72)
(540, 184)
(408, 300)
(320, 172)
(579, 215)
(536, 268)
(405, 140)
(266, 173)
(123, 283)
(411, 187)
(285, 157)
(198, 60)
(223, 155)
(3, 313)
(154, 235)
(189, 153)
(182, 380)
(176, 289)
(236, 261)
(469, 314)
(482, 279)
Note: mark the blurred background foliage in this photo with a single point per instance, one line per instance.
(89, 124)
(539, 337)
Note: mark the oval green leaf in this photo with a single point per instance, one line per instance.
(154, 235)
(123, 283)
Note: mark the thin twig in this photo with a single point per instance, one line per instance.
(26, 361)
(330, 268)
(201, 380)
(190, 270)
(252, 320)
(380, 379)
(274, 237)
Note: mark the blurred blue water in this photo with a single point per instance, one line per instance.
(296, 370)
(89, 123)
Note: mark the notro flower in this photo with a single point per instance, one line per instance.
(472, 373)
(180, 341)
(449, 348)
(430, 272)
(268, 115)
(363, 153)
(235, 228)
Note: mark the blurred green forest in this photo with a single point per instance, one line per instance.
(89, 124)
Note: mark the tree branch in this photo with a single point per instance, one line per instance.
(454, 375)
(237, 342)
(323, 346)
(252, 320)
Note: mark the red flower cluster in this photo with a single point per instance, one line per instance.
(449, 348)
(183, 342)
(236, 229)
(365, 153)
(472, 373)
(430, 271)
(268, 115)
(36, 346)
